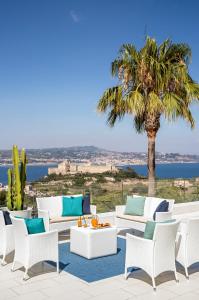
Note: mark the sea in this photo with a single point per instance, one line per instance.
(34, 172)
(163, 171)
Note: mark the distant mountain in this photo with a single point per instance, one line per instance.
(91, 149)
(85, 152)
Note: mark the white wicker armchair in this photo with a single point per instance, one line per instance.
(33, 248)
(187, 244)
(153, 256)
(6, 239)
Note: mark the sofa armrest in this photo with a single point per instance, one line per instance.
(163, 216)
(93, 209)
(45, 215)
(119, 209)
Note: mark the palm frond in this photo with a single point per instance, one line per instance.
(153, 81)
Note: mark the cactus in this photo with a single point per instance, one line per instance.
(9, 197)
(17, 180)
(23, 174)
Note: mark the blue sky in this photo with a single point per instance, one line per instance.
(55, 60)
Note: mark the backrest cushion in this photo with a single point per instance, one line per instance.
(150, 228)
(154, 202)
(162, 207)
(35, 225)
(72, 206)
(52, 204)
(86, 204)
(151, 205)
(135, 206)
(147, 208)
(6, 216)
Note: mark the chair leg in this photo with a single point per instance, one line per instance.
(126, 272)
(13, 266)
(176, 276)
(3, 262)
(57, 267)
(153, 283)
(186, 272)
(25, 277)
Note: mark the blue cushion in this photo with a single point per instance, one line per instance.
(162, 207)
(35, 225)
(86, 204)
(72, 206)
(6, 216)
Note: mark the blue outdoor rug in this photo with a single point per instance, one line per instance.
(91, 270)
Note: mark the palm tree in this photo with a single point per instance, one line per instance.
(153, 82)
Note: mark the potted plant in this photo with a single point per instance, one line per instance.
(16, 185)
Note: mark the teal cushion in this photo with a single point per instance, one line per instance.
(72, 206)
(149, 230)
(135, 206)
(150, 227)
(35, 225)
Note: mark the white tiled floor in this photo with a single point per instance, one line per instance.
(45, 283)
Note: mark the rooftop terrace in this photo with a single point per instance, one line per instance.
(45, 283)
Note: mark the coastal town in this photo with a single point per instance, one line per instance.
(95, 156)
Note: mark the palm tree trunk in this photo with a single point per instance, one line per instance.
(151, 163)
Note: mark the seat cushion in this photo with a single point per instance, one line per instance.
(66, 219)
(72, 206)
(135, 206)
(140, 219)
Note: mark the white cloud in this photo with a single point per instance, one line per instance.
(74, 16)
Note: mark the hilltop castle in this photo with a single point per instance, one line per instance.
(67, 167)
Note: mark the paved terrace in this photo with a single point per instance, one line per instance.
(45, 283)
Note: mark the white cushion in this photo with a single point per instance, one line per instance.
(67, 219)
(140, 219)
(147, 208)
(52, 204)
(154, 202)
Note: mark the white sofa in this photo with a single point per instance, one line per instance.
(138, 222)
(50, 209)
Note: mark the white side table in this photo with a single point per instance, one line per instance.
(91, 243)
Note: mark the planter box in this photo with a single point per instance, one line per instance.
(21, 213)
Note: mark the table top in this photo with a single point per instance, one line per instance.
(91, 229)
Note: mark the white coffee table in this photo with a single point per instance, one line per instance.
(91, 243)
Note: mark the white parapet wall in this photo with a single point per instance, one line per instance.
(186, 210)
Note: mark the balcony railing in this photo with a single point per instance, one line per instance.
(107, 195)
